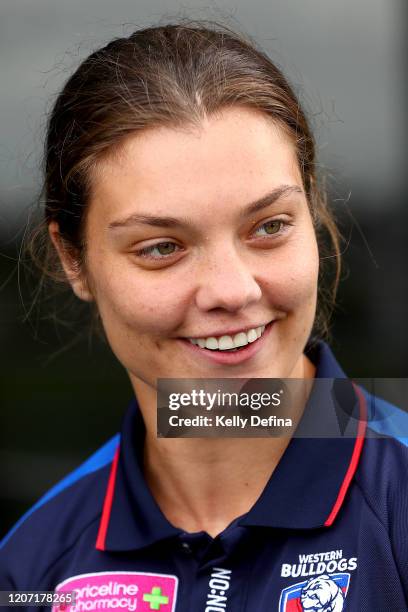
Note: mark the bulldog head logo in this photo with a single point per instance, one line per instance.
(322, 594)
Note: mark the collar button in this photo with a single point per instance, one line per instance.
(186, 548)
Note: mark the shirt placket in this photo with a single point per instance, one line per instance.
(213, 575)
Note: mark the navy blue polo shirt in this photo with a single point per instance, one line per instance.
(328, 533)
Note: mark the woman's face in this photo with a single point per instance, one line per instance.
(178, 250)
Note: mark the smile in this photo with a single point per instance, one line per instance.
(229, 343)
(251, 344)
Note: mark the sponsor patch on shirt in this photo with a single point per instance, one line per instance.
(131, 591)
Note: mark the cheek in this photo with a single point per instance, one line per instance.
(130, 300)
(291, 282)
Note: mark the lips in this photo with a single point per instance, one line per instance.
(228, 357)
(230, 341)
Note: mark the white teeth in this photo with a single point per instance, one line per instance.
(252, 335)
(227, 342)
(240, 339)
(211, 343)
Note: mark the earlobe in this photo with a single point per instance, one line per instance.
(70, 264)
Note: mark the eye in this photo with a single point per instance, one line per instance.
(163, 249)
(274, 227)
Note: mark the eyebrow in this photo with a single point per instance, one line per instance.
(173, 222)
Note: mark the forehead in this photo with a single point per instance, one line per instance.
(233, 157)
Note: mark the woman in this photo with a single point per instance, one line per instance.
(182, 203)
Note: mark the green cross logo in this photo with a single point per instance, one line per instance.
(155, 598)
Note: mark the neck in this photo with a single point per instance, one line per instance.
(195, 486)
(202, 484)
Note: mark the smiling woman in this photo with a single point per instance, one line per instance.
(223, 271)
(181, 201)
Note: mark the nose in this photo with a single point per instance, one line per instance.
(226, 281)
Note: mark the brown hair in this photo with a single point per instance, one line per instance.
(172, 75)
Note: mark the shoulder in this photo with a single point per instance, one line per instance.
(53, 525)
(382, 473)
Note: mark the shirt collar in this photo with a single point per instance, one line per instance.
(305, 491)
(131, 516)
(310, 483)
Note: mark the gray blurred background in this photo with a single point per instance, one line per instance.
(62, 395)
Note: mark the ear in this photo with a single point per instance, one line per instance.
(70, 263)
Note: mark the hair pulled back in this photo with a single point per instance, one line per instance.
(172, 75)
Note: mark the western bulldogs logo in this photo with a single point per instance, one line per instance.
(322, 593)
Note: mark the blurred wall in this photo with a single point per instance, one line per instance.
(62, 396)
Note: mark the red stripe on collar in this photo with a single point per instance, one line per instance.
(107, 504)
(355, 457)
